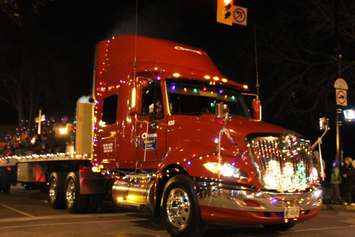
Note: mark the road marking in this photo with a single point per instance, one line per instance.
(66, 216)
(65, 223)
(324, 228)
(16, 210)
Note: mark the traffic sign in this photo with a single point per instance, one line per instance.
(340, 83)
(341, 97)
(240, 15)
(341, 88)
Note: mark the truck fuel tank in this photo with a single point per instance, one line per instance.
(134, 190)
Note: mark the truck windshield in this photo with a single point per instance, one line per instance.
(192, 97)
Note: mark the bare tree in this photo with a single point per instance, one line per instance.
(22, 86)
(300, 49)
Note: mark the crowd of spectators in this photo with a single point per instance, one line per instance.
(343, 182)
(26, 141)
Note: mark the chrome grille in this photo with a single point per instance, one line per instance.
(284, 162)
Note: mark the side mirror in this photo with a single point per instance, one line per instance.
(257, 109)
(221, 110)
(323, 123)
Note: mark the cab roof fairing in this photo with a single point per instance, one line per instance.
(155, 55)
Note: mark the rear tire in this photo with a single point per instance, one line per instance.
(56, 190)
(5, 188)
(181, 214)
(74, 201)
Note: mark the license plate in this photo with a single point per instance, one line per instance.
(292, 212)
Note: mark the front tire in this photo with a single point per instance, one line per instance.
(74, 201)
(181, 214)
(56, 190)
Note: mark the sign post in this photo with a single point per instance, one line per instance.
(341, 88)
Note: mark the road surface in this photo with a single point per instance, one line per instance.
(27, 213)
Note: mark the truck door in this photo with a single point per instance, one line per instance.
(150, 126)
(108, 130)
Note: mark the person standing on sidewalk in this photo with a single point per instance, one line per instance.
(347, 180)
(335, 180)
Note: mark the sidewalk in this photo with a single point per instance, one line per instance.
(329, 205)
(340, 207)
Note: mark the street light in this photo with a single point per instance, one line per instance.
(63, 131)
(349, 115)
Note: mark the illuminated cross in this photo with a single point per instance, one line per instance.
(41, 118)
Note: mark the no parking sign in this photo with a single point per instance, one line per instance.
(240, 15)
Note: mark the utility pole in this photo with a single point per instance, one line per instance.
(341, 88)
(340, 85)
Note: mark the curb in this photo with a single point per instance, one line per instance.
(338, 207)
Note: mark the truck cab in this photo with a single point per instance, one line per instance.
(166, 131)
(158, 123)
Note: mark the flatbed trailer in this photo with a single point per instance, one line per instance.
(34, 170)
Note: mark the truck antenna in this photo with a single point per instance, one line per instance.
(256, 63)
(135, 42)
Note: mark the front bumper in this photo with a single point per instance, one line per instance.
(225, 203)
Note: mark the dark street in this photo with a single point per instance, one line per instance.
(26, 213)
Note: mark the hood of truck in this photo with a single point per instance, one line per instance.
(205, 128)
(194, 141)
(192, 137)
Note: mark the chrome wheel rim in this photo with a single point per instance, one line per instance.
(178, 208)
(70, 193)
(52, 190)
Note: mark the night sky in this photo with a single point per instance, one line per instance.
(296, 40)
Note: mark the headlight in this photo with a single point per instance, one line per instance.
(226, 170)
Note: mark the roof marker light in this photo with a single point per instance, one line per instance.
(176, 75)
(207, 77)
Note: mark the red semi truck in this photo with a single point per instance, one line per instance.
(166, 131)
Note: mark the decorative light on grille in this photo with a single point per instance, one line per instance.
(285, 162)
